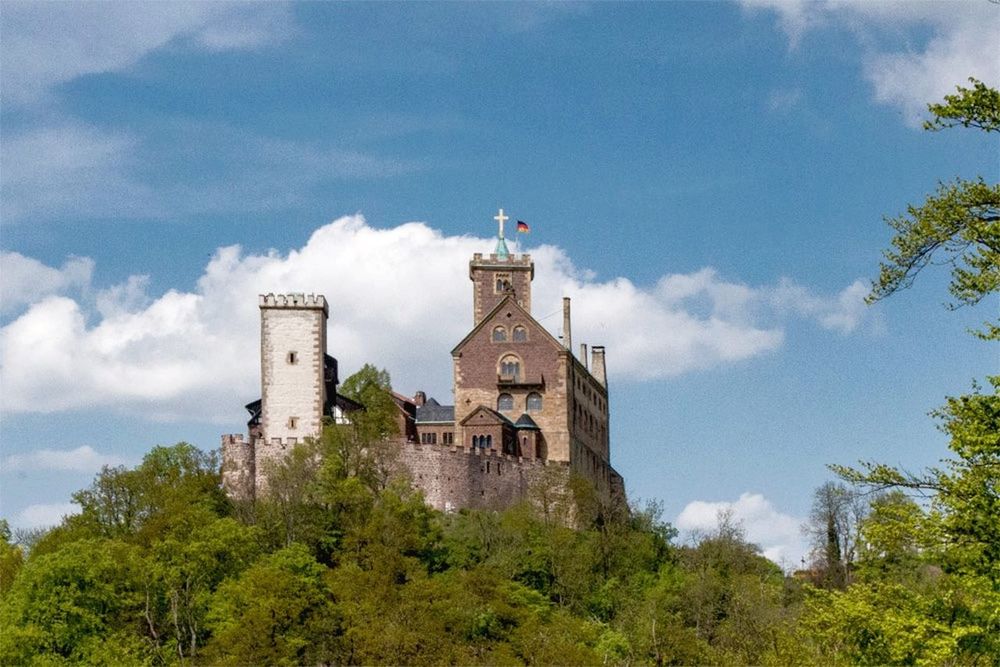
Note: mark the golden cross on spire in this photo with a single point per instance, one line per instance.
(501, 218)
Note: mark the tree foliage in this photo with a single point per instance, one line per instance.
(958, 225)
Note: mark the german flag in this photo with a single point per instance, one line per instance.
(522, 227)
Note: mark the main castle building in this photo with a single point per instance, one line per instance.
(523, 401)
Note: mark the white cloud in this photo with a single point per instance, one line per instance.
(962, 43)
(778, 534)
(82, 459)
(24, 280)
(50, 43)
(72, 171)
(400, 297)
(43, 515)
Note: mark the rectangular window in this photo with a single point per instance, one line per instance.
(293, 357)
(293, 422)
(448, 438)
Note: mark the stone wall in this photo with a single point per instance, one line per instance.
(456, 477)
(238, 467)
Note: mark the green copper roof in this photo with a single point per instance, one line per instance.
(501, 251)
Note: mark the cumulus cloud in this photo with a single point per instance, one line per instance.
(26, 280)
(50, 43)
(778, 534)
(43, 515)
(400, 297)
(962, 43)
(82, 459)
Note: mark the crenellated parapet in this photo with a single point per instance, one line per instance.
(294, 300)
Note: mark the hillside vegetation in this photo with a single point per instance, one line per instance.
(344, 564)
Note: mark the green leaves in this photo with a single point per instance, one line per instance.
(977, 107)
(958, 225)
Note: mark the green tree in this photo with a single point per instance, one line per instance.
(277, 612)
(958, 225)
(11, 559)
(64, 604)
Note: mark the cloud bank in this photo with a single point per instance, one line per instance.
(43, 515)
(47, 44)
(962, 42)
(83, 459)
(778, 535)
(399, 297)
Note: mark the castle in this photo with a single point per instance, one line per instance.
(523, 402)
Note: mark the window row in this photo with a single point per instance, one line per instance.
(482, 441)
(447, 438)
(533, 402)
(519, 334)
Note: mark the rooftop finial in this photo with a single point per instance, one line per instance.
(501, 251)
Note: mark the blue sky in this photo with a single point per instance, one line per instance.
(706, 180)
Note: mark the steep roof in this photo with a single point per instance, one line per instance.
(525, 422)
(490, 412)
(434, 412)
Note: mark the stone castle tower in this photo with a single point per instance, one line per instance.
(523, 401)
(295, 374)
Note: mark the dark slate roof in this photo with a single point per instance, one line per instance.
(525, 422)
(432, 411)
(348, 405)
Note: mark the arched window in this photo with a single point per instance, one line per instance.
(505, 403)
(499, 335)
(520, 334)
(510, 367)
(489, 442)
(534, 402)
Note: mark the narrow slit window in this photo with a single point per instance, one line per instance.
(293, 357)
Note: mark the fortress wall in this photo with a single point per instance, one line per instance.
(238, 467)
(456, 477)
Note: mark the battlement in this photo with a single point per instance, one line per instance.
(295, 300)
(479, 258)
(233, 439)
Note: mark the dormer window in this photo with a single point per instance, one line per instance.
(499, 335)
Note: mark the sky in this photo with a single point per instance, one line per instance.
(706, 180)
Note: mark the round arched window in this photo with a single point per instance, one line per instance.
(510, 368)
(520, 334)
(534, 402)
(499, 335)
(505, 403)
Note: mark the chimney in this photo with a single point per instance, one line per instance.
(419, 398)
(567, 336)
(583, 354)
(598, 370)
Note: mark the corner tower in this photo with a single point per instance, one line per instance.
(498, 275)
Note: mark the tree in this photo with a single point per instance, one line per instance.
(958, 225)
(11, 559)
(833, 530)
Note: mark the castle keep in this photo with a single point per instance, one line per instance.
(523, 401)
